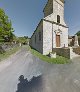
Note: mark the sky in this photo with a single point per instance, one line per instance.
(26, 14)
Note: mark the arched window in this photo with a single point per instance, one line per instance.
(58, 19)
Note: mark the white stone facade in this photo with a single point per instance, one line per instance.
(50, 28)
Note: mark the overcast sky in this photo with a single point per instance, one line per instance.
(26, 14)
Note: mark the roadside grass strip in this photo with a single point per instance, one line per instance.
(57, 60)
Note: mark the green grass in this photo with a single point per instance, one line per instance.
(8, 53)
(58, 60)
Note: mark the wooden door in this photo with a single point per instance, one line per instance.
(57, 40)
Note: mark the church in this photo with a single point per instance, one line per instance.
(52, 31)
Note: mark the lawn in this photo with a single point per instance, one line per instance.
(58, 60)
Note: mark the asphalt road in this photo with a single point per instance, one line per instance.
(24, 72)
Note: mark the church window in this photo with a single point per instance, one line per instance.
(39, 36)
(58, 19)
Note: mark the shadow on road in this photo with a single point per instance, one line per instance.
(34, 85)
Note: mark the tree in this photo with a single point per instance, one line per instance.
(6, 30)
(78, 33)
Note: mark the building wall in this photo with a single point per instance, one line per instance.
(48, 28)
(47, 37)
(63, 35)
(38, 45)
(58, 9)
(48, 8)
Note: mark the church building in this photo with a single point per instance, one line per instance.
(52, 31)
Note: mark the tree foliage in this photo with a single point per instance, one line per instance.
(6, 30)
(78, 33)
(22, 39)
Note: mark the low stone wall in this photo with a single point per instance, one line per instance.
(5, 47)
(1, 50)
(65, 52)
(77, 50)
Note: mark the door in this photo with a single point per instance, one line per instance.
(57, 40)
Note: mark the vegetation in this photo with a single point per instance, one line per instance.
(7, 37)
(78, 34)
(23, 40)
(79, 40)
(8, 53)
(58, 60)
(6, 30)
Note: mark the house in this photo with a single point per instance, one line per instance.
(71, 40)
(52, 31)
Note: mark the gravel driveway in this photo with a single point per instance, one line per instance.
(24, 72)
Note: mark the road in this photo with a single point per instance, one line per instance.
(23, 72)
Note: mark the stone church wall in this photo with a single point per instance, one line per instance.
(47, 37)
(58, 9)
(54, 10)
(48, 28)
(63, 36)
(48, 8)
(38, 45)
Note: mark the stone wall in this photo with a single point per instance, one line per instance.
(38, 45)
(1, 50)
(65, 52)
(47, 37)
(48, 26)
(76, 50)
(48, 8)
(63, 35)
(58, 9)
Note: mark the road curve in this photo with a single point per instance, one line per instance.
(24, 72)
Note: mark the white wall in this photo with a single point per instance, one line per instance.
(39, 44)
(48, 8)
(63, 36)
(58, 9)
(45, 45)
(47, 37)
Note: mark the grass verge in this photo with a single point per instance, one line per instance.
(8, 53)
(58, 60)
